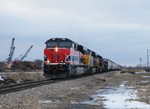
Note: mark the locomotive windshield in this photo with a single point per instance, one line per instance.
(59, 44)
(52, 44)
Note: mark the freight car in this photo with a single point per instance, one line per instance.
(65, 58)
(109, 65)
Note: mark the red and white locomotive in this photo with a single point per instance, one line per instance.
(64, 58)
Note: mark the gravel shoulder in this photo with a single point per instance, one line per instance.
(69, 94)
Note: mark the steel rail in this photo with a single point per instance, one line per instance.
(26, 85)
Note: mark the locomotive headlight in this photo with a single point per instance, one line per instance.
(48, 61)
(56, 49)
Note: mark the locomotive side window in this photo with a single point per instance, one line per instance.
(68, 59)
(75, 58)
(72, 58)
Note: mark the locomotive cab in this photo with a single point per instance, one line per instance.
(59, 54)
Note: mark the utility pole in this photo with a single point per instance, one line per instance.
(140, 62)
(147, 58)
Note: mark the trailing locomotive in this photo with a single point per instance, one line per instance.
(65, 58)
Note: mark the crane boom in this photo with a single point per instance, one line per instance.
(12, 49)
(25, 55)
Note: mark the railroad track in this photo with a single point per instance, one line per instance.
(26, 85)
(22, 86)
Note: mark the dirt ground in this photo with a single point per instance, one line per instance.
(139, 81)
(84, 93)
(20, 77)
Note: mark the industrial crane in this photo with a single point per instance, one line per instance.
(19, 64)
(25, 55)
(12, 49)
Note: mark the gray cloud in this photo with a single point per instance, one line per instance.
(117, 29)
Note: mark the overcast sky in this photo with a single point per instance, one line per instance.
(115, 29)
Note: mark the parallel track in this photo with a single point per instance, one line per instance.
(22, 86)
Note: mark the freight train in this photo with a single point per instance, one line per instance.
(64, 58)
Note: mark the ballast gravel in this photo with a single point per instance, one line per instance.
(51, 96)
(67, 94)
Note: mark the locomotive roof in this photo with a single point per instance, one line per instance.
(59, 39)
(108, 60)
(68, 40)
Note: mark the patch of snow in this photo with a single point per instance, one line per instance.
(45, 101)
(130, 87)
(123, 100)
(140, 72)
(49, 101)
(74, 88)
(144, 81)
(19, 81)
(146, 76)
(1, 78)
(143, 90)
(94, 102)
(115, 97)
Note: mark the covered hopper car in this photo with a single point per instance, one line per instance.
(109, 65)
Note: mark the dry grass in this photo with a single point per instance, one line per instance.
(132, 71)
(21, 76)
